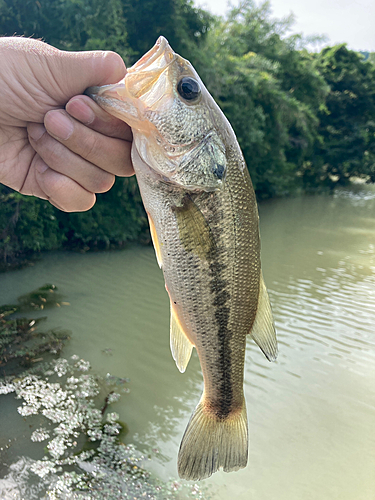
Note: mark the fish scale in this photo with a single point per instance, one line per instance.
(203, 218)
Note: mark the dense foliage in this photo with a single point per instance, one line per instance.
(270, 92)
(128, 27)
(303, 120)
(347, 122)
(29, 225)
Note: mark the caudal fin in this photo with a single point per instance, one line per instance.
(210, 443)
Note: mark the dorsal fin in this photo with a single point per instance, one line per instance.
(181, 346)
(263, 331)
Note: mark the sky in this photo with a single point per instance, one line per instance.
(349, 21)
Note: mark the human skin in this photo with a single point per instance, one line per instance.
(56, 143)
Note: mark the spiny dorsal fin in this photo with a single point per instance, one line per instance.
(181, 346)
(263, 332)
(155, 240)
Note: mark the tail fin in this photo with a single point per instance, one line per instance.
(210, 443)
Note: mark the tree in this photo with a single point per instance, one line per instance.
(27, 225)
(128, 27)
(68, 24)
(347, 122)
(183, 24)
(269, 91)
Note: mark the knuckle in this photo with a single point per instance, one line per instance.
(89, 148)
(52, 155)
(49, 150)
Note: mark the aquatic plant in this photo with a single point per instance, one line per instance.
(21, 342)
(41, 298)
(85, 456)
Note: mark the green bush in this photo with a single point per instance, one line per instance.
(29, 225)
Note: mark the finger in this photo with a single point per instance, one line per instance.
(60, 190)
(62, 160)
(75, 71)
(85, 110)
(110, 154)
(30, 185)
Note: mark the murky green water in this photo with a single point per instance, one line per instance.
(311, 414)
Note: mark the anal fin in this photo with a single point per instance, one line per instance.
(263, 331)
(181, 346)
(155, 240)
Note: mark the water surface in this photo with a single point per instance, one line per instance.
(311, 414)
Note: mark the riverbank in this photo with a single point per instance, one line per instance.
(32, 226)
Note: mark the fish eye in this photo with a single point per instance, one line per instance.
(188, 88)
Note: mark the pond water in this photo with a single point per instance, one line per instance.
(311, 414)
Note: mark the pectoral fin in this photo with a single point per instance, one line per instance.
(194, 231)
(263, 332)
(181, 346)
(155, 240)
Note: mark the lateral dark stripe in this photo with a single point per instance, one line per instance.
(222, 405)
(221, 298)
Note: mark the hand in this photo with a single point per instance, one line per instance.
(79, 150)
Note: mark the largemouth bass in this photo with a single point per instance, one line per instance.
(203, 219)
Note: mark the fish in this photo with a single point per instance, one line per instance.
(204, 225)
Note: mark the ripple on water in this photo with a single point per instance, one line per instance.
(338, 313)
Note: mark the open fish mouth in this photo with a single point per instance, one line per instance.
(157, 58)
(141, 77)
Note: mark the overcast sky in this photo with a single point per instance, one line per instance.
(350, 21)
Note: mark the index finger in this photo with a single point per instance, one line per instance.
(85, 110)
(108, 153)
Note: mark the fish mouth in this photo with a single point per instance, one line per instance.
(140, 77)
(156, 59)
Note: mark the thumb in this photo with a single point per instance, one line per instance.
(75, 71)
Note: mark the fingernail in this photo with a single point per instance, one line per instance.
(59, 124)
(81, 111)
(35, 130)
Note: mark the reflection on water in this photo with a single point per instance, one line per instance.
(311, 414)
